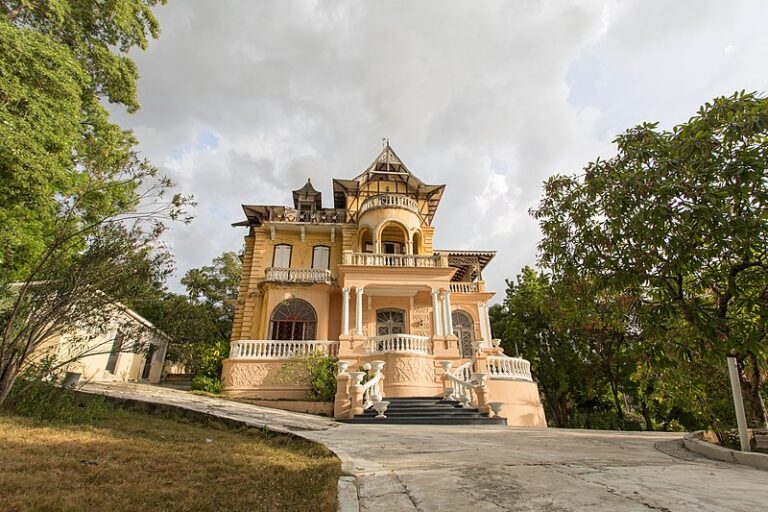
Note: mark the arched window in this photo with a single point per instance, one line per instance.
(282, 256)
(293, 319)
(390, 321)
(464, 329)
(321, 256)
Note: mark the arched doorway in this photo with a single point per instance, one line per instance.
(293, 319)
(464, 329)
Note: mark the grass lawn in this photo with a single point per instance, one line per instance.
(129, 460)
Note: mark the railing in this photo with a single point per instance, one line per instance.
(462, 383)
(364, 259)
(325, 216)
(406, 343)
(297, 275)
(372, 391)
(389, 201)
(459, 287)
(509, 368)
(278, 349)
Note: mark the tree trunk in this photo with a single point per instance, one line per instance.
(750, 379)
(7, 380)
(646, 415)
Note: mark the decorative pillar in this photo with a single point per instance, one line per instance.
(437, 324)
(449, 316)
(444, 310)
(356, 393)
(342, 402)
(487, 321)
(359, 311)
(481, 313)
(345, 311)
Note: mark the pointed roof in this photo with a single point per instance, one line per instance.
(308, 193)
(388, 166)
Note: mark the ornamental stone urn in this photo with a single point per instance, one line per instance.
(480, 378)
(381, 408)
(496, 408)
(343, 366)
(357, 377)
(446, 366)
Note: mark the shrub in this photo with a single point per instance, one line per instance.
(206, 383)
(41, 400)
(315, 371)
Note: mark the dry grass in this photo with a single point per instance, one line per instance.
(135, 461)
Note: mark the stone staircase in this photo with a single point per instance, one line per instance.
(425, 411)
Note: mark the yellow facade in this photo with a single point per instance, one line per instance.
(360, 281)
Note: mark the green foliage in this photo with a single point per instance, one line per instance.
(316, 370)
(41, 400)
(322, 378)
(80, 211)
(673, 230)
(205, 383)
(200, 323)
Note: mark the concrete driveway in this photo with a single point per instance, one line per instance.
(447, 468)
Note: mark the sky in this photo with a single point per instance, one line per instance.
(242, 101)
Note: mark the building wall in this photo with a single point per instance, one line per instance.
(92, 351)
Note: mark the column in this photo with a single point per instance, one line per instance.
(449, 317)
(446, 312)
(359, 311)
(487, 321)
(345, 311)
(437, 324)
(481, 317)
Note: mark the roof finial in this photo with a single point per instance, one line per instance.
(385, 142)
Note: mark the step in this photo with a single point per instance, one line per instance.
(432, 420)
(456, 412)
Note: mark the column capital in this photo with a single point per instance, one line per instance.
(345, 289)
(434, 291)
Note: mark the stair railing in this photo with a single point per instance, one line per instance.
(373, 389)
(462, 383)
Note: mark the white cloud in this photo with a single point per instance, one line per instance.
(242, 101)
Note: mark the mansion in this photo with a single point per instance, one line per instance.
(361, 282)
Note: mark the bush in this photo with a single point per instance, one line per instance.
(322, 378)
(316, 371)
(206, 383)
(41, 400)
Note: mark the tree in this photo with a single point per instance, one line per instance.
(216, 287)
(80, 211)
(199, 323)
(680, 218)
(581, 344)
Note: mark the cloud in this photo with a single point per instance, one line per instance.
(243, 101)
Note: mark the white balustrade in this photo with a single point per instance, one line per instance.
(364, 259)
(389, 201)
(297, 275)
(279, 349)
(462, 382)
(461, 287)
(404, 343)
(372, 390)
(509, 368)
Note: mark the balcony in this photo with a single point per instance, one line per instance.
(280, 349)
(297, 275)
(389, 201)
(509, 368)
(394, 260)
(398, 343)
(468, 287)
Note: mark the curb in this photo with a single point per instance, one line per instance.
(694, 442)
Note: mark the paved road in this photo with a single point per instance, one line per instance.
(441, 468)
